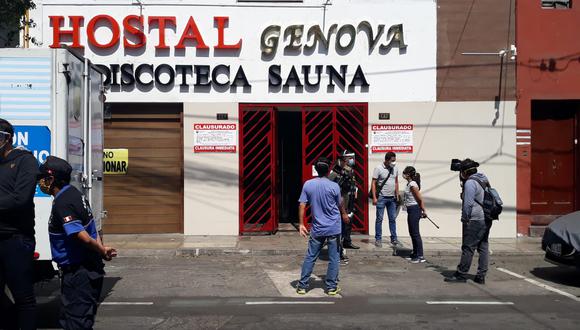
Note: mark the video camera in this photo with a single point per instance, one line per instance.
(456, 165)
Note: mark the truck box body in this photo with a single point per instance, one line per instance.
(56, 107)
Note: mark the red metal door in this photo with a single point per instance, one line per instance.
(258, 207)
(327, 131)
(553, 158)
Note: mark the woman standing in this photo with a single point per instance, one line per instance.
(415, 211)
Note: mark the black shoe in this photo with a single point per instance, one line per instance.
(455, 278)
(479, 279)
(351, 246)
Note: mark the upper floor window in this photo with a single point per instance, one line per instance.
(556, 4)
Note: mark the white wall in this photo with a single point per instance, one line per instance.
(447, 130)
(211, 204)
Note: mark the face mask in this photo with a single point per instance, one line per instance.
(350, 162)
(393, 164)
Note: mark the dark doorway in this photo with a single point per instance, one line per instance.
(289, 163)
(555, 162)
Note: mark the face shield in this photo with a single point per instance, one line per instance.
(349, 158)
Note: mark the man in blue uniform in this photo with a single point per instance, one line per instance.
(75, 245)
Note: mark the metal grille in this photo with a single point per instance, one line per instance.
(257, 179)
(327, 131)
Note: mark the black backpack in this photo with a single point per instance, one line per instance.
(492, 204)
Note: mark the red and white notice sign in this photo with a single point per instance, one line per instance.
(215, 137)
(392, 137)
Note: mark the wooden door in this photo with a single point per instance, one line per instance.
(553, 157)
(149, 199)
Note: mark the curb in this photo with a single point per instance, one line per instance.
(196, 252)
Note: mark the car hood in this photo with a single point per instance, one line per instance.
(567, 228)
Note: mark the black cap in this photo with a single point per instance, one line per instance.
(57, 167)
(467, 164)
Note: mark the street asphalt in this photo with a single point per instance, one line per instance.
(256, 292)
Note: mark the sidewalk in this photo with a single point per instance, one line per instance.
(290, 243)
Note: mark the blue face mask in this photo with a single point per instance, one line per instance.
(350, 162)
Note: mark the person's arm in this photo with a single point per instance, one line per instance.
(343, 214)
(469, 190)
(105, 252)
(374, 191)
(301, 212)
(397, 197)
(24, 186)
(417, 194)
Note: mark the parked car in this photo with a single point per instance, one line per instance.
(561, 240)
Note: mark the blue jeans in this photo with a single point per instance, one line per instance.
(315, 245)
(413, 219)
(390, 203)
(17, 271)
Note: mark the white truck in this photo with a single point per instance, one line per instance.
(54, 98)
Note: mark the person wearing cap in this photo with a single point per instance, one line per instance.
(475, 231)
(323, 196)
(18, 170)
(343, 174)
(75, 246)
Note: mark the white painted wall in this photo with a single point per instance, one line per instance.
(408, 76)
(447, 130)
(211, 201)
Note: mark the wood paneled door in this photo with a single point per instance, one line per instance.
(149, 199)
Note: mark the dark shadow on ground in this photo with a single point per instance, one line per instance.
(48, 304)
(569, 276)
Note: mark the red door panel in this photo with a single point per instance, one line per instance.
(258, 208)
(327, 131)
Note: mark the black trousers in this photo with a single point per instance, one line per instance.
(17, 272)
(413, 220)
(475, 236)
(80, 293)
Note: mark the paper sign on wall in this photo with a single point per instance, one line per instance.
(392, 137)
(115, 161)
(215, 138)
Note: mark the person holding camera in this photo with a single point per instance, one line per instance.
(385, 195)
(75, 246)
(323, 196)
(475, 232)
(343, 174)
(18, 170)
(415, 211)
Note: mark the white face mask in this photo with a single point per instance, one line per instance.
(393, 164)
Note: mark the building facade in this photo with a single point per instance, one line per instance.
(224, 105)
(548, 120)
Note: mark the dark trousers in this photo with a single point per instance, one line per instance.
(475, 236)
(413, 219)
(16, 271)
(346, 230)
(80, 293)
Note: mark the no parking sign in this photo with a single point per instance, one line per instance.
(35, 139)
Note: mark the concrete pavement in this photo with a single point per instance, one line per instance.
(290, 243)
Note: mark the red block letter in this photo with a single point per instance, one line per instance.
(161, 20)
(74, 33)
(191, 32)
(114, 29)
(137, 31)
(221, 24)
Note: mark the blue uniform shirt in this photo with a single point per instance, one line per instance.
(71, 214)
(323, 196)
